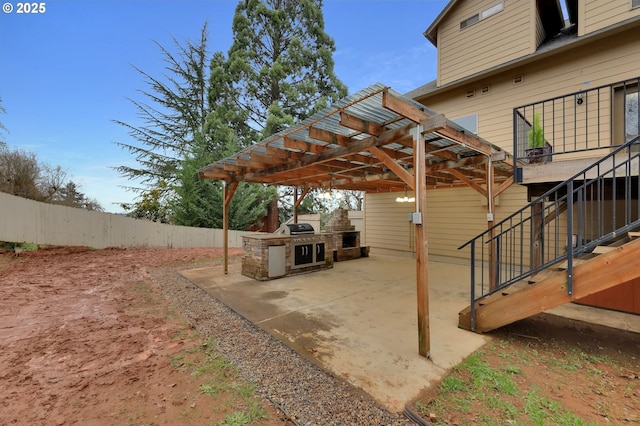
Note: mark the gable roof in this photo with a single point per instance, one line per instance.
(550, 15)
(431, 33)
(562, 42)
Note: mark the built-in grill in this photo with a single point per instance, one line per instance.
(294, 229)
(307, 247)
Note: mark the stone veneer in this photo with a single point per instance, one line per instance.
(255, 259)
(342, 230)
(339, 222)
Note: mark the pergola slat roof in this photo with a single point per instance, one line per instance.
(365, 142)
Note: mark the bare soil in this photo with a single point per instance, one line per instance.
(87, 337)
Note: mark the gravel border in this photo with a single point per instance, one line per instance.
(305, 393)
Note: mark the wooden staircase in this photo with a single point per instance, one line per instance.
(605, 267)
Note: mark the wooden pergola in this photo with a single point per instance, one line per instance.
(375, 140)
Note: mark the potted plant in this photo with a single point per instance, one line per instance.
(538, 146)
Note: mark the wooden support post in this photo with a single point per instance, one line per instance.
(228, 194)
(422, 248)
(537, 233)
(494, 267)
(295, 204)
(297, 200)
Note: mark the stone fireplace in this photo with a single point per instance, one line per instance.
(346, 240)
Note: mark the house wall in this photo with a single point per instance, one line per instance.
(604, 61)
(473, 49)
(454, 215)
(595, 15)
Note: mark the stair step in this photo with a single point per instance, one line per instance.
(542, 275)
(562, 266)
(504, 292)
(603, 249)
(516, 287)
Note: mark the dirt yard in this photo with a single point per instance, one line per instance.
(88, 337)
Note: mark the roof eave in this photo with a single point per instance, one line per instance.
(431, 33)
(417, 94)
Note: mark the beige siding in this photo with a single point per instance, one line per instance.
(599, 63)
(600, 14)
(453, 216)
(388, 227)
(498, 39)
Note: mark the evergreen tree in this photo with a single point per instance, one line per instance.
(280, 64)
(278, 72)
(173, 118)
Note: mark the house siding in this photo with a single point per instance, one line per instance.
(477, 47)
(599, 63)
(599, 14)
(454, 215)
(388, 227)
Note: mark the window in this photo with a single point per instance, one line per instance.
(631, 116)
(626, 114)
(635, 3)
(490, 11)
(470, 21)
(470, 122)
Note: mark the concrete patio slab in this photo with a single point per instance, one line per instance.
(358, 320)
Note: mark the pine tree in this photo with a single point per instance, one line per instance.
(280, 64)
(174, 116)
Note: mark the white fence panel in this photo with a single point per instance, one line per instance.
(23, 220)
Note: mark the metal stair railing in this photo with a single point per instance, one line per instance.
(593, 207)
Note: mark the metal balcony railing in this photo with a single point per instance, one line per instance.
(592, 208)
(600, 118)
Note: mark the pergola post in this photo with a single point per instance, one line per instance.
(422, 249)
(493, 244)
(227, 195)
(295, 204)
(297, 199)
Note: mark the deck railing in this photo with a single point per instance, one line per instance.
(593, 207)
(598, 118)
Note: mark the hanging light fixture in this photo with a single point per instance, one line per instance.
(326, 195)
(406, 198)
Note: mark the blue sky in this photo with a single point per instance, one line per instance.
(66, 73)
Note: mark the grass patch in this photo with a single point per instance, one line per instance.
(251, 414)
(220, 380)
(491, 384)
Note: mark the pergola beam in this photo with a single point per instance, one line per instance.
(387, 137)
(468, 181)
(398, 106)
(405, 176)
(328, 137)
